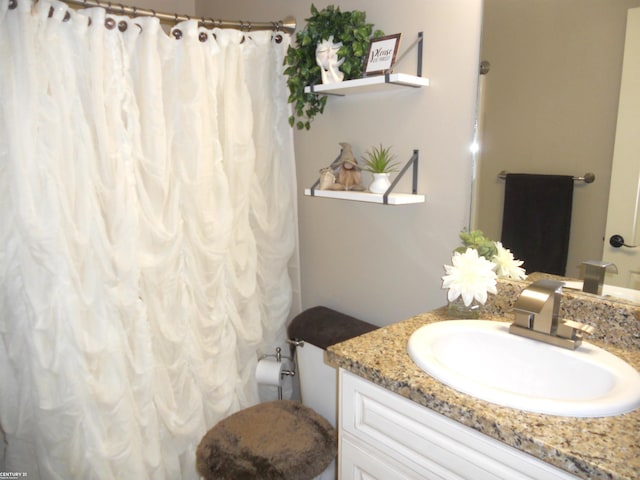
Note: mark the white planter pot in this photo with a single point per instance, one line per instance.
(380, 183)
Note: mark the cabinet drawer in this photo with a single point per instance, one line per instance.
(427, 442)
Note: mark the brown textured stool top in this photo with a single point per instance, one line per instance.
(280, 440)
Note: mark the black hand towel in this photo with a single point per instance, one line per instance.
(537, 220)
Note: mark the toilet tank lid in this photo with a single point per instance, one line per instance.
(323, 327)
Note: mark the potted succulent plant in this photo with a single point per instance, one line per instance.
(379, 161)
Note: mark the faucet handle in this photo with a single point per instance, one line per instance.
(583, 327)
(568, 329)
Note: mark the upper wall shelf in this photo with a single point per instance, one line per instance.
(378, 82)
(369, 84)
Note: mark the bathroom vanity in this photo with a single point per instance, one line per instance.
(398, 422)
(385, 436)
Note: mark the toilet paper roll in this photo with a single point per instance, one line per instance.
(269, 372)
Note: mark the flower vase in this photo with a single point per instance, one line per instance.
(380, 183)
(457, 309)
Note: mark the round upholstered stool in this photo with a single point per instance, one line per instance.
(280, 440)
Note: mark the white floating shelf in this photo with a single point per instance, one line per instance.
(370, 84)
(393, 199)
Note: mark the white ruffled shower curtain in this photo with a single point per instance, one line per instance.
(148, 246)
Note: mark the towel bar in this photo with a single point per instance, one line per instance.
(586, 178)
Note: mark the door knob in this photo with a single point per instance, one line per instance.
(617, 241)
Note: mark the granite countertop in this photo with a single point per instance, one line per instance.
(590, 448)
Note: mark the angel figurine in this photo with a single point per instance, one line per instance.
(327, 60)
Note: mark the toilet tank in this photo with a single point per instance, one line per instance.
(318, 381)
(319, 327)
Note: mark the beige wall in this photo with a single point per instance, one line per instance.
(551, 104)
(181, 7)
(383, 263)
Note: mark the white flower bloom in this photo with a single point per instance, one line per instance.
(471, 276)
(506, 265)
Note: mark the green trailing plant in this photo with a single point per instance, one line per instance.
(352, 30)
(379, 160)
(476, 239)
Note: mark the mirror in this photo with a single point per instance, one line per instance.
(549, 105)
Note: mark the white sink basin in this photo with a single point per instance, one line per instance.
(610, 291)
(481, 358)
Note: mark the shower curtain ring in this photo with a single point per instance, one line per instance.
(121, 9)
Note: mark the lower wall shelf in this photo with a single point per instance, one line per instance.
(394, 198)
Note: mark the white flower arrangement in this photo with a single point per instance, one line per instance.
(471, 276)
(476, 266)
(506, 265)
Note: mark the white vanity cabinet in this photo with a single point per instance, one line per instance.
(385, 436)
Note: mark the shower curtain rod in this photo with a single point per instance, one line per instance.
(288, 25)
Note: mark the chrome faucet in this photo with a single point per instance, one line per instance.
(536, 316)
(594, 271)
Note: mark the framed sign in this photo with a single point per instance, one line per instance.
(382, 54)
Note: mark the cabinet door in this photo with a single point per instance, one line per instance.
(386, 425)
(360, 462)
